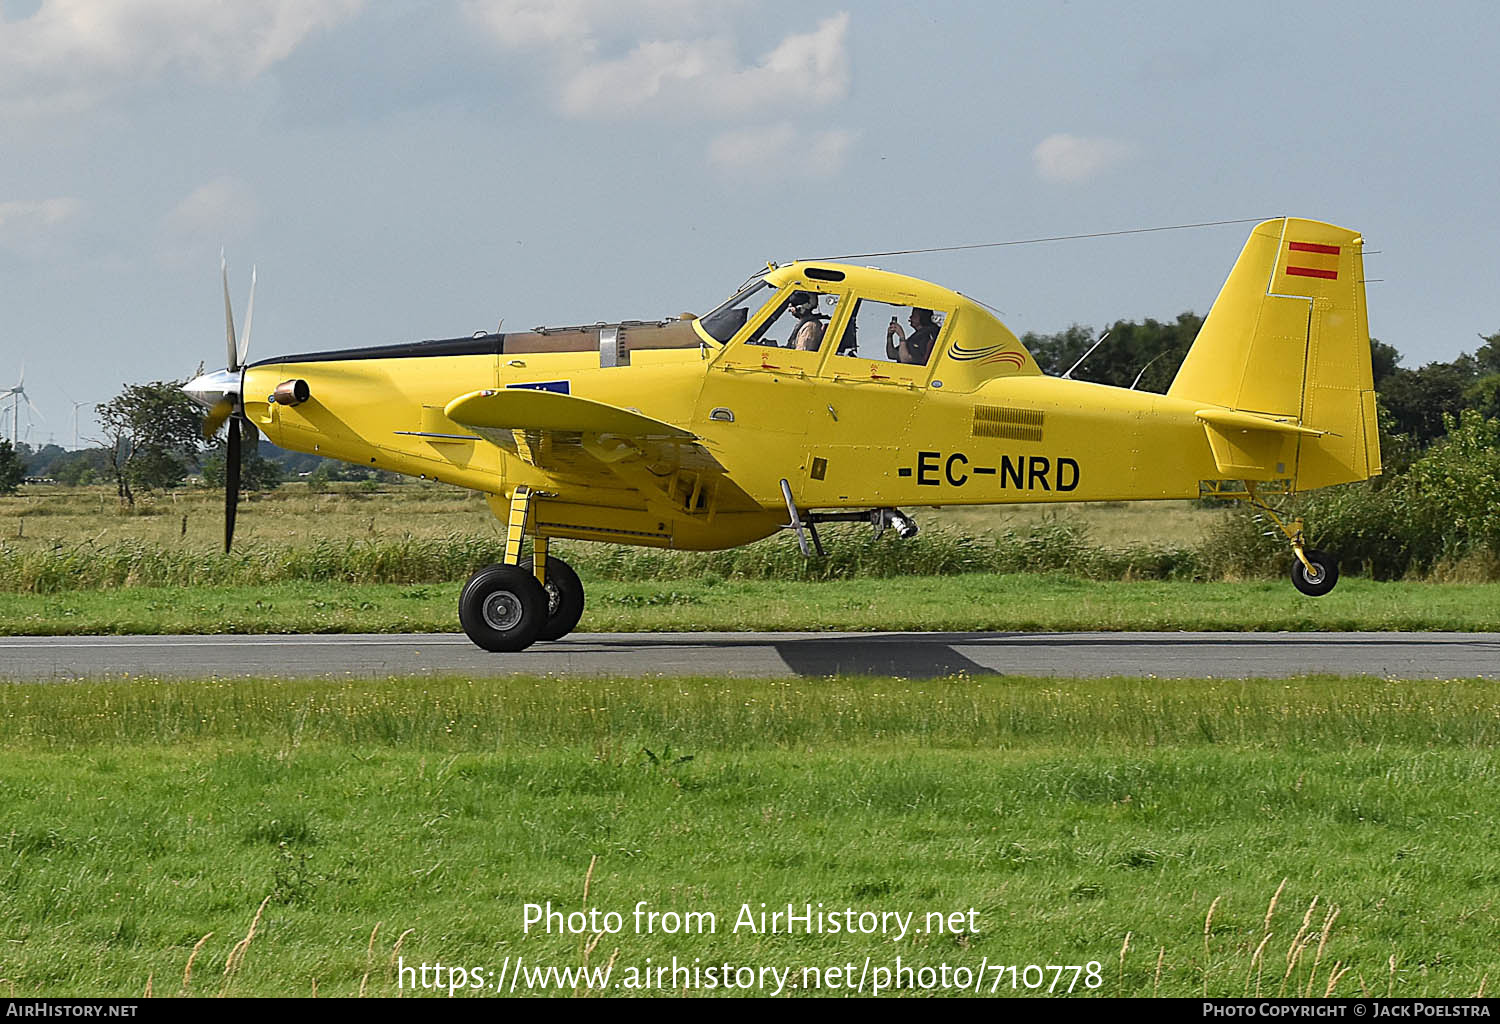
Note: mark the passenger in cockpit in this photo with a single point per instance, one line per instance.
(917, 346)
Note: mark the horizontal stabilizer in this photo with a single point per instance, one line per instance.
(1229, 419)
(528, 409)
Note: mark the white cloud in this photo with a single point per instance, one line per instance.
(807, 69)
(664, 68)
(1068, 159)
(519, 23)
(72, 52)
(813, 67)
(580, 23)
(212, 211)
(780, 151)
(21, 215)
(643, 75)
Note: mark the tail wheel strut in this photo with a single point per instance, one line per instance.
(1314, 572)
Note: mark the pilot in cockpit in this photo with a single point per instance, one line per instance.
(807, 336)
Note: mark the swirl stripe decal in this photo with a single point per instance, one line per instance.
(1013, 358)
(988, 354)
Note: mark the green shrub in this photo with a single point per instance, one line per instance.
(1244, 546)
(1444, 509)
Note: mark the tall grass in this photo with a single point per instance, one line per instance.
(852, 553)
(90, 566)
(1357, 524)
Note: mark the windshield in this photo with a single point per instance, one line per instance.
(723, 322)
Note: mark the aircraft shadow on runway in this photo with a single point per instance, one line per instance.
(930, 655)
(889, 656)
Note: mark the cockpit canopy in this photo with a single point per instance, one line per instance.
(857, 315)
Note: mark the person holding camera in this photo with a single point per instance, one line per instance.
(912, 348)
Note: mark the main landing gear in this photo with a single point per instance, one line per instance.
(1314, 572)
(508, 607)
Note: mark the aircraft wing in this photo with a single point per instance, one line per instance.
(530, 409)
(582, 441)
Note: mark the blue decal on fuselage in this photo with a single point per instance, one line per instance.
(558, 386)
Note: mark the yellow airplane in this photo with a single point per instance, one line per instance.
(825, 392)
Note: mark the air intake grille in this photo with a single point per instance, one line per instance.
(1016, 424)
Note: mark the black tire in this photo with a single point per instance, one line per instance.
(502, 608)
(1319, 583)
(564, 600)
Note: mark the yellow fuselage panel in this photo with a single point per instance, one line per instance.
(1019, 439)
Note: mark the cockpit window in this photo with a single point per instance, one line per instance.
(882, 332)
(799, 323)
(724, 322)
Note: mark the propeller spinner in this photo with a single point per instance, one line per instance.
(221, 395)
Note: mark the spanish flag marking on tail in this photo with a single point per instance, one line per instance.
(1311, 259)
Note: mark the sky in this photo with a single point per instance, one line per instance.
(406, 170)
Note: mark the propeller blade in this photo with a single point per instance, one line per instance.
(244, 346)
(234, 352)
(215, 417)
(32, 406)
(231, 486)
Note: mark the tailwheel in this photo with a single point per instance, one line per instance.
(1318, 576)
(1314, 573)
(503, 608)
(564, 600)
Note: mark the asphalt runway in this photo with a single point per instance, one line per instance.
(909, 655)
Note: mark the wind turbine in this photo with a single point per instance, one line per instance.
(16, 395)
(76, 406)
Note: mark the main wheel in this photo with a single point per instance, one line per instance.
(1324, 574)
(564, 600)
(503, 608)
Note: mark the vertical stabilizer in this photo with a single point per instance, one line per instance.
(1288, 338)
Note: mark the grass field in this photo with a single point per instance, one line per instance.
(969, 602)
(1193, 837)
